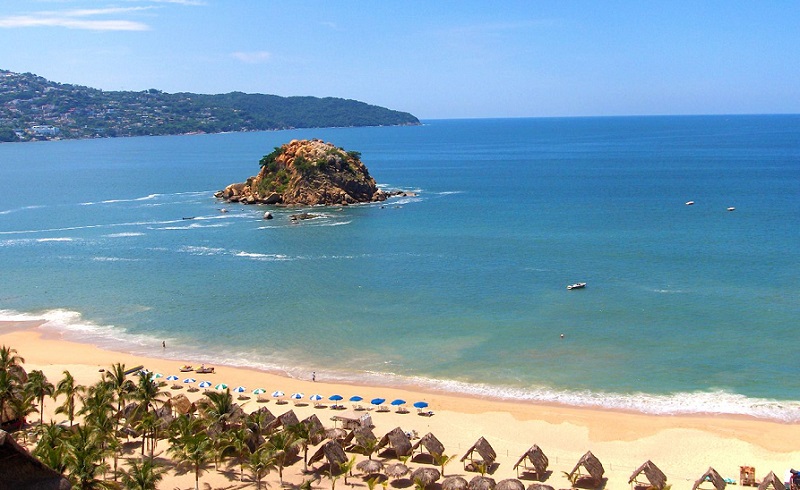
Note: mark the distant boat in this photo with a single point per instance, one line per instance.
(731, 208)
(188, 217)
(577, 285)
(689, 203)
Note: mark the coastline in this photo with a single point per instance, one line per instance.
(683, 446)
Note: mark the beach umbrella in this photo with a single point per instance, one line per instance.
(398, 402)
(454, 483)
(172, 377)
(336, 398)
(420, 405)
(190, 380)
(259, 391)
(239, 389)
(156, 376)
(278, 394)
(297, 396)
(377, 401)
(370, 466)
(315, 397)
(335, 433)
(204, 384)
(426, 476)
(220, 386)
(355, 398)
(396, 470)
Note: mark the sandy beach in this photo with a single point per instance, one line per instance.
(684, 447)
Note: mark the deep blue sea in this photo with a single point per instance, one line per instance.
(688, 308)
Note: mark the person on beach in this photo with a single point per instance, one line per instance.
(164, 344)
(313, 376)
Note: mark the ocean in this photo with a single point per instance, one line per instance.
(687, 309)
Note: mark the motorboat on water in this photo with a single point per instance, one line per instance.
(577, 285)
(690, 203)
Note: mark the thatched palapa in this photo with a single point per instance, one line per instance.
(485, 451)
(482, 483)
(592, 465)
(425, 476)
(398, 440)
(655, 477)
(538, 461)
(181, 405)
(509, 484)
(454, 483)
(332, 451)
(285, 420)
(19, 470)
(360, 437)
(771, 482)
(315, 429)
(431, 444)
(710, 476)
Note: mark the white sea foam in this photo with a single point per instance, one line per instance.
(124, 234)
(57, 239)
(200, 250)
(263, 257)
(192, 226)
(114, 259)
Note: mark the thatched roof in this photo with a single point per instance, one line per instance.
(654, 475)
(19, 470)
(540, 486)
(592, 465)
(182, 405)
(370, 466)
(285, 420)
(396, 470)
(482, 483)
(454, 483)
(431, 444)
(710, 476)
(398, 440)
(484, 449)
(426, 476)
(537, 458)
(332, 451)
(509, 484)
(360, 437)
(771, 481)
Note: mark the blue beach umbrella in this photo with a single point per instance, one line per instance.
(190, 380)
(336, 398)
(398, 402)
(315, 397)
(421, 405)
(278, 394)
(355, 398)
(204, 384)
(172, 377)
(377, 401)
(297, 396)
(239, 389)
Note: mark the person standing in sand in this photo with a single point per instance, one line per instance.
(313, 376)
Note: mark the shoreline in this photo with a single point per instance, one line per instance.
(683, 446)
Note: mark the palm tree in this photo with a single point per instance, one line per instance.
(84, 459)
(9, 359)
(443, 460)
(347, 468)
(38, 386)
(195, 450)
(70, 390)
(281, 443)
(260, 463)
(218, 408)
(235, 441)
(148, 393)
(120, 385)
(143, 475)
(302, 433)
(147, 425)
(50, 449)
(9, 390)
(369, 446)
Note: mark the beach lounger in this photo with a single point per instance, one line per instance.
(358, 408)
(262, 399)
(242, 397)
(383, 408)
(176, 387)
(425, 413)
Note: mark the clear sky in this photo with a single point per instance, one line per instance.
(435, 59)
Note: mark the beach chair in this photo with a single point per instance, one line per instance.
(176, 386)
(383, 408)
(242, 397)
(262, 399)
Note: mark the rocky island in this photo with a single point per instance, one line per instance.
(308, 172)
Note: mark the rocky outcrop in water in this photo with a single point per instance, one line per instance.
(307, 172)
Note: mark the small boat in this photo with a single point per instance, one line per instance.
(731, 208)
(186, 368)
(689, 203)
(577, 285)
(205, 370)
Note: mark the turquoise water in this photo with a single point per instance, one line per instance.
(687, 309)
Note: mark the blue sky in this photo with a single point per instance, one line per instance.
(435, 59)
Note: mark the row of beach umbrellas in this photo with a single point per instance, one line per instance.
(295, 396)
